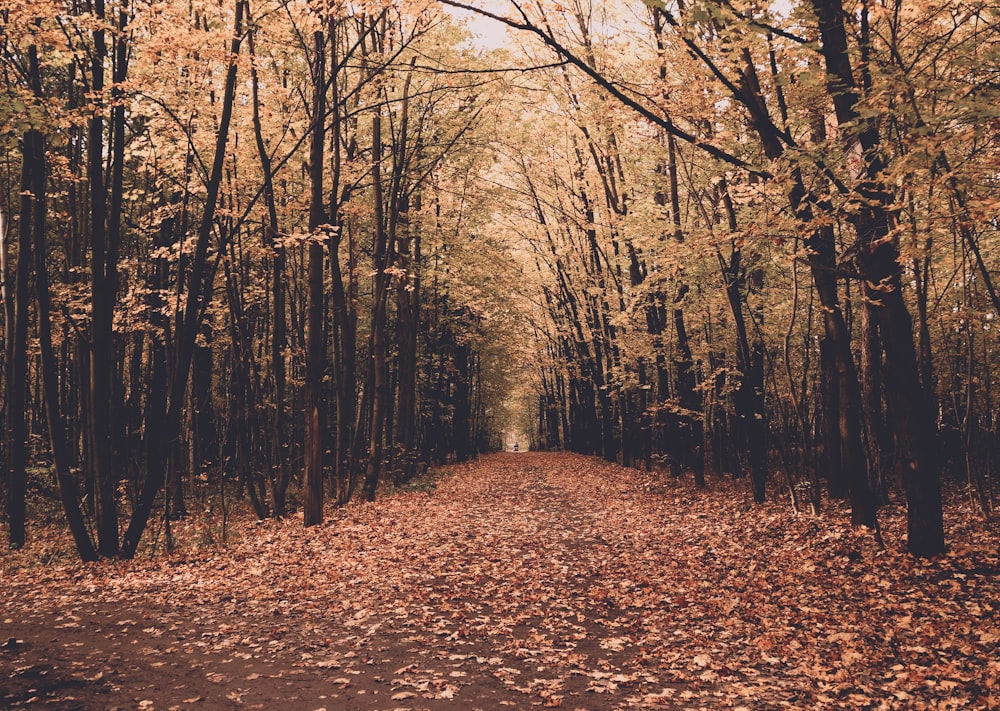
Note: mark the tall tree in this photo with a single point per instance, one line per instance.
(315, 331)
(196, 296)
(16, 329)
(881, 271)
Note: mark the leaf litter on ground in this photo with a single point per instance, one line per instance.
(549, 580)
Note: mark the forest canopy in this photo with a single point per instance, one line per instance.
(302, 249)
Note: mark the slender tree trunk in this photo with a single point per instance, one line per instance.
(32, 162)
(34, 147)
(279, 475)
(242, 395)
(379, 348)
(408, 318)
(341, 304)
(345, 318)
(390, 216)
(196, 298)
(690, 431)
(463, 405)
(312, 499)
(204, 447)
(749, 397)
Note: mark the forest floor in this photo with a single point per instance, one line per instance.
(522, 580)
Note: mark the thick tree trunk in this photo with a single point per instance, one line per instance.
(104, 273)
(912, 419)
(878, 262)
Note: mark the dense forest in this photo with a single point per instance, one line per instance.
(288, 251)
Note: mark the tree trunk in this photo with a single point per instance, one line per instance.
(342, 302)
(380, 289)
(878, 262)
(34, 154)
(197, 296)
(822, 261)
(463, 406)
(749, 403)
(312, 486)
(408, 323)
(17, 343)
(104, 276)
(279, 474)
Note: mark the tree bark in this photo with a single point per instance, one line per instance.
(17, 347)
(312, 495)
(878, 262)
(34, 154)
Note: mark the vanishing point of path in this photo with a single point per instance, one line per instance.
(519, 581)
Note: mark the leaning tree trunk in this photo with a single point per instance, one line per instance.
(197, 296)
(822, 262)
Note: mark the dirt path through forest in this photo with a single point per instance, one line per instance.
(468, 607)
(521, 580)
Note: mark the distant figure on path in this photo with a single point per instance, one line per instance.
(515, 446)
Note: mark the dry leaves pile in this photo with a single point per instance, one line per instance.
(556, 580)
